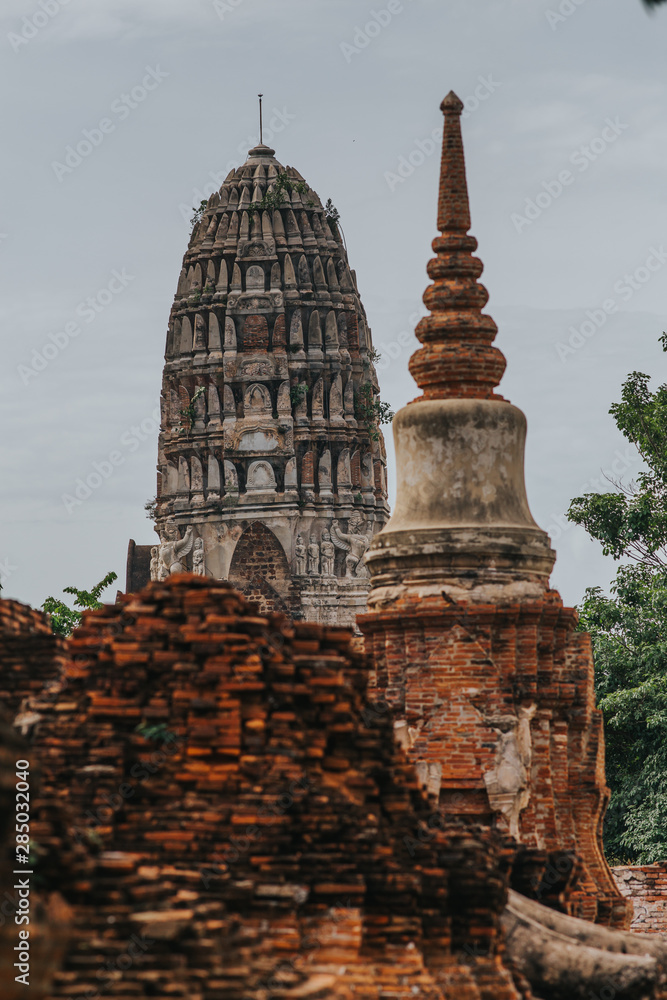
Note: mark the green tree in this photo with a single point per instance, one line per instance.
(629, 628)
(65, 619)
(629, 633)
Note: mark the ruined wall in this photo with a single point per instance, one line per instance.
(256, 829)
(646, 888)
(31, 663)
(30, 654)
(500, 718)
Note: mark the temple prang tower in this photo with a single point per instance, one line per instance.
(271, 464)
(491, 685)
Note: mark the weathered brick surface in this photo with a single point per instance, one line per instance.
(63, 864)
(254, 334)
(30, 654)
(646, 888)
(271, 838)
(260, 571)
(453, 672)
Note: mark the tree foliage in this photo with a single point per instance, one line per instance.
(629, 628)
(632, 521)
(65, 619)
(629, 633)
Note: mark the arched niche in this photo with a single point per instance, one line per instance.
(260, 569)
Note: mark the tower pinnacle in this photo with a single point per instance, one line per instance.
(461, 518)
(457, 359)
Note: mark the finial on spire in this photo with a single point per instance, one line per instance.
(453, 204)
(261, 130)
(457, 359)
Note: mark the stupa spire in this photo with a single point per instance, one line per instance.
(492, 690)
(457, 359)
(461, 517)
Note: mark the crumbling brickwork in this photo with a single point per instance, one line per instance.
(460, 677)
(646, 888)
(30, 654)
(63, 864)
(256, 828)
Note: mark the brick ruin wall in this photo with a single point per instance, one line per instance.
(646, 888)
(453, 675)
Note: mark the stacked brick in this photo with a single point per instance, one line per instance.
(430, 657)
(491, 685)
(30, 654)
(256, 829)
(63, 868)
(268, 399)
(646, 888)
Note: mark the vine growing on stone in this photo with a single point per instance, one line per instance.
(188, 412)
(332, 215)
(298, 393)
(197, 214)
(275, 198)
(371, 410)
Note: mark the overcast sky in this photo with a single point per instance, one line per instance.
(565, 100)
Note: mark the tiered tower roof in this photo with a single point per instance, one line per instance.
(269, 402)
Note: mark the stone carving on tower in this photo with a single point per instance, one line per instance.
(268, 465)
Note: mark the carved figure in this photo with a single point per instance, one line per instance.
(318, 400)
(353, 542)
(155, 562)
(313, 558)
(336, 398)
(231, 477)
(324, 469)
(328, 554)
(301, 553)
(198, 566)
(173, 549)
(507, 783)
